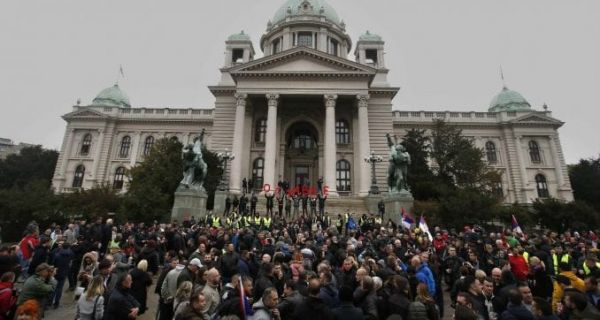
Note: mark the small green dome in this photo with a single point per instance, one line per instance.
(112, 97)
(368, 36)
(508, 100)
(294, 5)
(239, 37)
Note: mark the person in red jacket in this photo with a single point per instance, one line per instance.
(518, 265)
(7, 299)
(439, 243)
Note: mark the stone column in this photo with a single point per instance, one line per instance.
(556, 160)
(330, 156)
(98, 152)
(65, 157)
(235, 172)
(524, 179)
(363, 143)
(271, 141)
(135, 149)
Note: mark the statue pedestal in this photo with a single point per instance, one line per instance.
(189, 203)
(219, 203)
(372, 202)
(394, 202)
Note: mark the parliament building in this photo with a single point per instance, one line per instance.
(313, 105)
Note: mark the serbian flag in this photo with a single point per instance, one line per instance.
(407, 221)
(244, 302)
(423, 226)
(515, 226)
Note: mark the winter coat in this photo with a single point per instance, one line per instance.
(37, 288)
(40, 255)
(85, 308)
(589, 313)
(7, 300)
(542, 285)
(347, 311)
(329, 295)
(519, 312)
(314, 309)
(119, 305)
(260, 312)
(188, 313)
(139, 287)
(558, 291)
(289, 304)
(152, 256)
(169, 286)
(423, 274)
(62, 260)
(229, 264)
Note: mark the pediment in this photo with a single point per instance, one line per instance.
(537, 118)
(85, 113)
(302, 60)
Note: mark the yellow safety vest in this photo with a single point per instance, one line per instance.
(378, 220)
(228, 221)
(586, 269)
(267, 222)
(526, 256)
(257, 221)
(565, 259)
(216, 222)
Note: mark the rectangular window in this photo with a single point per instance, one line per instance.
(333, 47)
(237, 56)
(276, 46)
(371, 56)
(305, 39)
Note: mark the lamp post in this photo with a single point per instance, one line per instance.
(223, 158)
(373, 159)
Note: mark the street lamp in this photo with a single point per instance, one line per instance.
(223, 158)
(373, 159)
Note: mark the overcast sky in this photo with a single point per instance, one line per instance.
(445, 55)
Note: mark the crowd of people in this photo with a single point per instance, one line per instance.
(307, 267)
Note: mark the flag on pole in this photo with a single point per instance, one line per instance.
(515, 226)
(423, 226)
(245, 306)
(407, 221)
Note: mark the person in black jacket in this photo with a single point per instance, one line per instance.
(291, 299)
(346, 310)
(121, 304)
(313, 307)
(62, 260)
(229, 263)
(140, 282)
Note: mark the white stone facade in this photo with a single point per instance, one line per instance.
(301, 112)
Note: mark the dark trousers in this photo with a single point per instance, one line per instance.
(58, 291)
(165, 311)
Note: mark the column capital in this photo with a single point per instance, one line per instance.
(272, 99)
(241, 99)
(330, 100)
(363, 100)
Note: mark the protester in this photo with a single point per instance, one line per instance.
(141, 280)
(121, 304)
(90, 305)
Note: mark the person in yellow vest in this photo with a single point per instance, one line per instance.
(559, 256)
(266, 222)
(566, 272)
(257, 221)
(591, 266)
(216, 222)
(339, 224)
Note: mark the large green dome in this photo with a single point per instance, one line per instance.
(317, 5)
(509, 100)
(112, 97)
(239, 37)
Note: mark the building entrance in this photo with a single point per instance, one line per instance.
(301, 166)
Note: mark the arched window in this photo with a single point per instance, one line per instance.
(125, 146)
(541, 186)
(148, 144)
(342, 132)
(119, 178)
(490, 152)
(303, 142)
(342, 169)
(261, 131)
(78, 177)
(534, 152)
(258, 168)
(86, 143)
